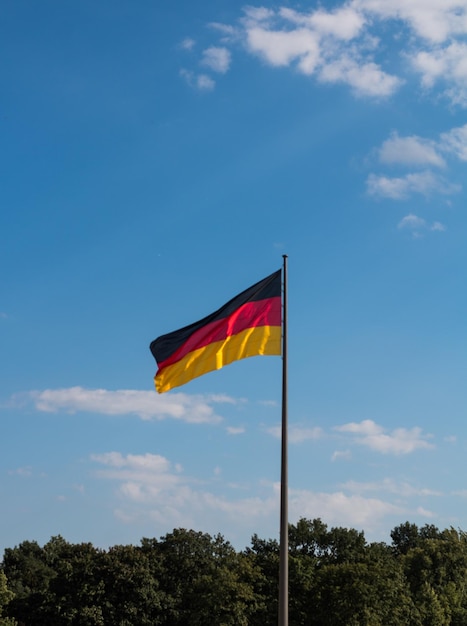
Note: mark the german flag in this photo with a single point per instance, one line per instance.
(248, 325)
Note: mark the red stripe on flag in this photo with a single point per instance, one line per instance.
(257, 313)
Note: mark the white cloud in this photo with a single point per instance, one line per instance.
(347, 44)
(389, 485)
(345, 23)
(297, 434)
(412, 221)
(151, 491)
(365, 78)
(229, 32)
(257, 15)
(448, 65)
(339, 508)
(432, 20)
(410, 151)
(455, 142)
(314, 46)
(401, 187)
(418, 224)
(425, 512)
(232, 430)
(150, 462)
(187, 44)
(418, 151)
(281, 48)
(431, 65)
(21, 471)
(151, 488)
(142, 477)
(217, 59)
(203, 82)
(272, 403)
(341, 454)
(375, 437)
(147, 405)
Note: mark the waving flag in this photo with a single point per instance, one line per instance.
(248, 325)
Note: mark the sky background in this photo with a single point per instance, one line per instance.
(157, 158)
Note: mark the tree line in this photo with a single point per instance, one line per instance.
(189, 578)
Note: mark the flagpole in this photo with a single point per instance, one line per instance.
(284, 522)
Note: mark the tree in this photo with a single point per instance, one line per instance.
(370, 592)
(132, 594)
(189, 578)
(28, 577)
(5, 597)
(264, 557)
(75, 592)
(206, 580)
(436, 571)
(404, 537)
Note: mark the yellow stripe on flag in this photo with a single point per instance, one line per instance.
(260, 340)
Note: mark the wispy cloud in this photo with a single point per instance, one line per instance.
(187, 44)
(418, 152)
(412, 221)
(235, 430)
(318, 43)
(399, 441)
(346, 44)
(389, 485)
(217, 59)
(426, 152)
(229, 33)
(365, 78)
(153, 490)
(410, 151)
(147, 405)
(141, 476)
(21, 471)
(343, 23)
(402, 187)
(341, 508)
(461, 493)
(455, 142)
(203, 82)
(445, 65)
(434, 22)
(281, 48)
(297, 434)
(341, 454)
(425, 513)
(418, 225)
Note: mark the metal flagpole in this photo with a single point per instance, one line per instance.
(284, 522)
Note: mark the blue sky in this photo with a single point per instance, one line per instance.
(157, 159)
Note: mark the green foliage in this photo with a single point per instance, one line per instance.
(189, 578)
(131, 594)
(5, 597)
(209, 583)
(436, 571)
